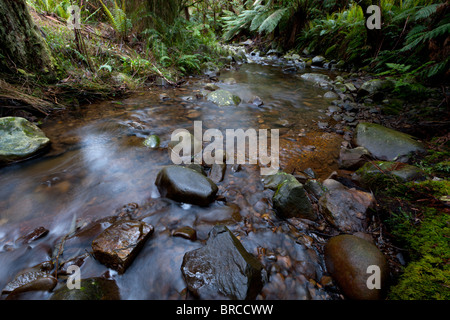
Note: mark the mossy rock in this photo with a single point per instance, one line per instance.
(20, 139)
(90, 289)
(400, 171)
(223, 98)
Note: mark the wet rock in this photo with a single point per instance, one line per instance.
(352, 159)
(256, 101)
(314, 188)
(20, 139)
(118, 245)
(290, 200)
(331, 95)
(31, 280)
(211, 87)
(222, 269)
(164, 97)
(273, 181)
(217, 172)
(386, 144)
(152, 141)
(402, 171)
(375, 89)
(210, 69)
(91, 289)
(186, 233)
(229, 81)
(185, 185)
(348, 258)
(34, 235)
(316, 78)
(318, 61)
(345, 208)
(223, 98)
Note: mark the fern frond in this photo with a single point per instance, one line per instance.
(426, 12)
(272, 21)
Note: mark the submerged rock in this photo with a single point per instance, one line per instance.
(152, 141)
(32, 280)
(222, 269)
(223, 98)
(20, 139)
(90, 289)
(118, 245)
(350, 260)
(345, 208)
(386, 144)
(185, 185)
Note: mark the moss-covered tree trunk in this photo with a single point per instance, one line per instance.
(21, 45)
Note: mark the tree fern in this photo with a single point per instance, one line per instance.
(427, 11)
(272, 21)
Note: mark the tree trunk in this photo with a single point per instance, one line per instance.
(21, 45)
(374, 36)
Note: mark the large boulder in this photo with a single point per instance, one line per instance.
(222, 268)
(386, 144)
(345, 208)
(20, 139)
(353, 264)
(223, 98)
(118, 245)
(186, 185)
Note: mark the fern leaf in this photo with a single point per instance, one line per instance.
(272, 21)
(427, 11)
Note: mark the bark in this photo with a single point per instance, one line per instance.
(21, 44)
(374, 36)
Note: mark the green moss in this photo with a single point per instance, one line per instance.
(427, 276)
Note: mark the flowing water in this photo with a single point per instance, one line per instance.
(98, 165)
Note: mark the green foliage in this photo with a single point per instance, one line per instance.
(118, 17)
(58, 7)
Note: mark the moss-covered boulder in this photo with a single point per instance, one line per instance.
(401, 171)
(291, 201)
(223, 98)
(354, 263)
(375, 89)
(20, 139)
(90, 289)
(386, 144)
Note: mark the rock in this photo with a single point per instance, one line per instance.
(291, 201)
(345, 208)
(117, 246)
(318, 61)
(210, 69)
(229, 81)
(348, 259)
(375, 89)
(34, 235)
(273, 181)
(223, 98)
(317, 78)
(352, 159)
(315, 188)
(331, 95)
(217, 172)
(31, 280)
(164, 97)
(256, 101)
(20, 140)
(185, 185)
(403, 171)
(222, 268)
(152, 141)
(386, 144)
(211, 87)
(91, 289)
(186, 233)
(193, 114)
(350, 87)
